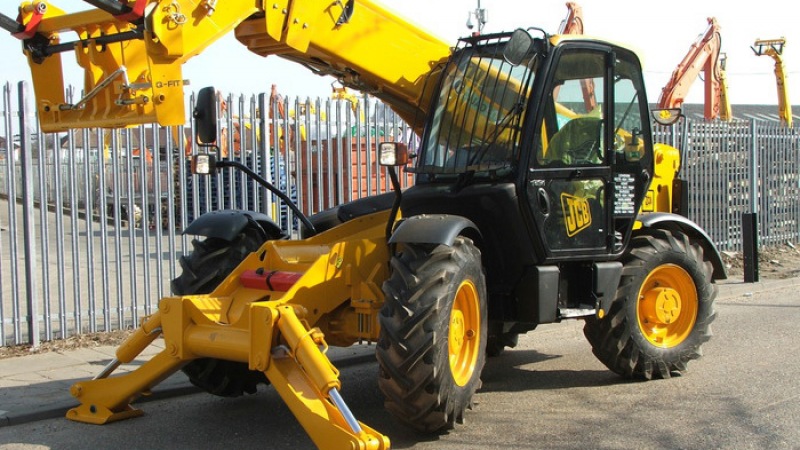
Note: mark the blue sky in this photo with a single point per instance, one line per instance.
(662, 32)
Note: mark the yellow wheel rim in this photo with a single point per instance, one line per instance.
(667, 306)
(464, 336)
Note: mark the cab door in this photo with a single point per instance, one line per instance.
(581, 187)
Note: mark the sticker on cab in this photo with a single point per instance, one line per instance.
(576, 213)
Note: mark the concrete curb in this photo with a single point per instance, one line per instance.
(732, 289)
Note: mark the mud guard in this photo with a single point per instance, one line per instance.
(433, 229)
(227, 224)
(667, 221)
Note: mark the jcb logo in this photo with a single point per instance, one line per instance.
(576, 214)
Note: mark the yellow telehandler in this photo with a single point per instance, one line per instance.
(531, 205)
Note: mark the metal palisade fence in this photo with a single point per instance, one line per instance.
(740, 167)
(90, 220)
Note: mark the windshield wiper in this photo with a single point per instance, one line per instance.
(513, 112)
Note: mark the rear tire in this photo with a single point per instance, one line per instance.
(432, 345)
(212, 260)
(663, 309)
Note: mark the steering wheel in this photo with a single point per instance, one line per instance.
(587, 152)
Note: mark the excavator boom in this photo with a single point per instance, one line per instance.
(132, 54)
(704, 55)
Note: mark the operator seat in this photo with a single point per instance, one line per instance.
(577, 142)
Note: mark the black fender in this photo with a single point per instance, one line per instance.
(433, 229)
(675, 222)
(228, 223)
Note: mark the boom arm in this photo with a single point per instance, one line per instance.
(704, 54)
(132, 54)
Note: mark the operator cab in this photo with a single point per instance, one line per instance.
(549, 137)
(544, 144)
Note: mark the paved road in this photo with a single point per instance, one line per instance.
(550, 392)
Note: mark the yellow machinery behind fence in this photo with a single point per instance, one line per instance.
(539, 197)
(774, 49)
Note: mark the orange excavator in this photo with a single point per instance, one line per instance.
(573, 24)
(704, 55)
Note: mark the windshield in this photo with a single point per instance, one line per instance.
(475, 124)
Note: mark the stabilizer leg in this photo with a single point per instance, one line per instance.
(309, 384)
(106, 399)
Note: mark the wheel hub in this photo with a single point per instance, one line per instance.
(463, 337)
(457, 330)
(667, 306)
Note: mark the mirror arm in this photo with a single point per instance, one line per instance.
(397, 199)
(269, 186)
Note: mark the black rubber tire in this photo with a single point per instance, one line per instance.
(413, 349)
(618, 341)
(209, 263)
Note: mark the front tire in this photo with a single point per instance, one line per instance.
(432, 345)
(662, 312)
(211, 261)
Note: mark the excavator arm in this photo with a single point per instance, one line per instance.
(703, 55)
(132, 53)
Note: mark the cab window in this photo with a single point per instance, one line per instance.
(573, 127)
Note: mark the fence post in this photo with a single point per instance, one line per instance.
(263, 151)
(29, 235)
(750, 246)
(750, 221)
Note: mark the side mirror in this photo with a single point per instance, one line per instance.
(517, 47)
(205, 116)
(203, 164)
(393, 154)
(666, 116)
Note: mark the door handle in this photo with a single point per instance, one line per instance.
(543, 200)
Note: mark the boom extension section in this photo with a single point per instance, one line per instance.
(132, 54)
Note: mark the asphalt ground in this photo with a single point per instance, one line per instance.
(36, 387)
